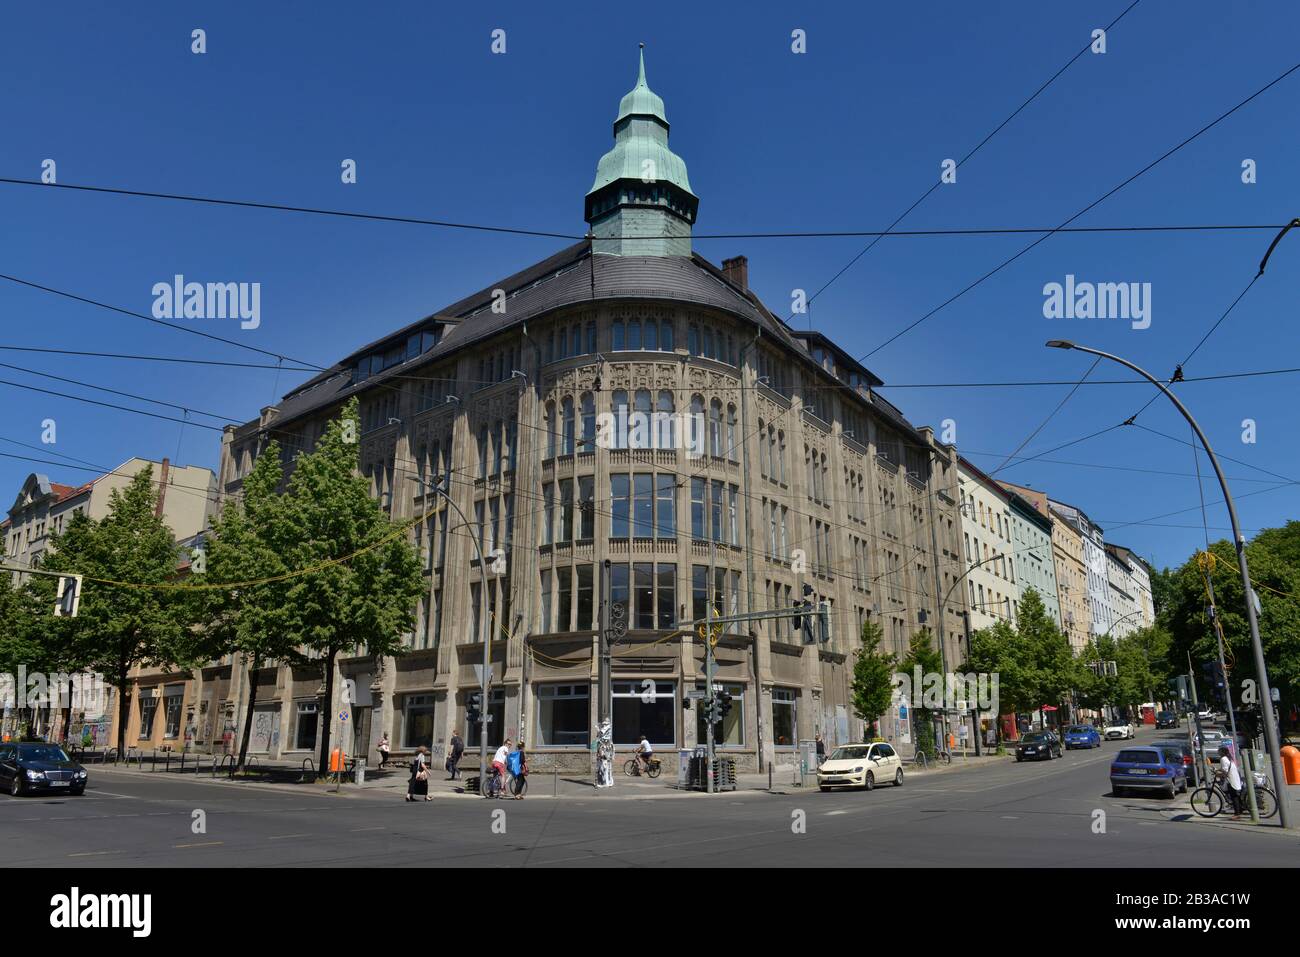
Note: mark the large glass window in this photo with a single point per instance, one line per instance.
(642, 505)
(563, 716)
(644, 596)
(586, 602)
(305, 720)
(148, 708)
(784, 723)
(563, 599)
(645, 706)
(586, 507)
(665, 511)
(496, 726)
(730, 732)
(698, 486)
(172, 711)
(619, 490)
(417, 724)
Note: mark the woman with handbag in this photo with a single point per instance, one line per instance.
(419, 783)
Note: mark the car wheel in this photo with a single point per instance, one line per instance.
(1019, 759)
(16, 786)
(824, 788)
(898, 778)
(870, 782)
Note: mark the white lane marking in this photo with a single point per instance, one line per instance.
(206, 844)
(357, 829)
(833, 813)
(286, 837)
(94, 853)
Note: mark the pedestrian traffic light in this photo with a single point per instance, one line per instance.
(806, 621)
(724, 704)
(824, 621)
(473, 710)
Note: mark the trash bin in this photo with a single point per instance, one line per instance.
(684, 768)
(1291, 764)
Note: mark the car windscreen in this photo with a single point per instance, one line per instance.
(1035, 737)
(1077, 729)
(41, 752)
(1137, 756)
(850, 754)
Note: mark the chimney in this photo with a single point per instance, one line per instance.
(737, 271)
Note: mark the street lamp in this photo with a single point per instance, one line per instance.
(484, 710)
(1239, 541)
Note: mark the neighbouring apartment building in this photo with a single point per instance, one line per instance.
(624, 405)
(987, 547)
(1140, 579)
(1071, 583)
(1100, 610)
(1125, 603)
(186, 498)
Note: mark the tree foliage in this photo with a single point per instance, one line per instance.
(871, 688)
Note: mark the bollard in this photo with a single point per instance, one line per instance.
(769, 775)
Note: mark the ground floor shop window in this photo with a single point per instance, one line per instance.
(784, 723)
(563, 716)
(496, 725)
(417, 726)
(305, 719)
(730, 732)
(148, 708)
(172, 711)
(645, 707)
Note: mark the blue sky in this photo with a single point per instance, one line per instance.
(843, 137)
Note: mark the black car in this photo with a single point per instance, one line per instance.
(1166, 719)
(1038, 745)
(28, 766)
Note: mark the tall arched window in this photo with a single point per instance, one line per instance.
(715, 428)
(619, 439)
(651, 334)
(588, 422)
(639, 436)
(764, 451)
(567, 408)
(665, 430)
(696, 435)
(732, 451)
(633, 334)
(550, 430)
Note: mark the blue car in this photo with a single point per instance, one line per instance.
(1082, 736)
(1149, 769)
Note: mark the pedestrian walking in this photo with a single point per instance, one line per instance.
(384, 748)
(454, 750)
(821, 751)
(418, 786)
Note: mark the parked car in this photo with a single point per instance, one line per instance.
(1166, 719)
(1185, 752)
(1148, 769)
(1037, 746)
(1118, 732)
(861, 766)
(1082, 736)
(28, 766)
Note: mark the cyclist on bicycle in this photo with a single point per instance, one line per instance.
(644, 752)
(499, 766)
(1229, 773)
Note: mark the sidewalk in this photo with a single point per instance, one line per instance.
(392, 782)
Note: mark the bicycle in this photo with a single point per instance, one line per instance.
(1211, 799)
(632, 767)
(494, 785)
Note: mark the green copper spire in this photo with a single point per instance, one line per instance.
(641, 187)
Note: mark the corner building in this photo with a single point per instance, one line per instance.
(756, 460)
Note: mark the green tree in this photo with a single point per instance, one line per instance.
(248, 542)
(366, 580)
(998, 651)
(20, 644)
(1048, 662)
(871, 689)
(126, 619)
(922, 653)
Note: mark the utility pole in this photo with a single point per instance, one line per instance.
(708, 660)
(1271, 737)
(1227, 696)
(603, 684)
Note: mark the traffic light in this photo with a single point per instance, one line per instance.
(824, 622)
(68, 599)
(724, 704)
(473, 712)
(806, 622)
(1215, 681)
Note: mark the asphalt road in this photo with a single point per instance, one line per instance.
(1015, 815)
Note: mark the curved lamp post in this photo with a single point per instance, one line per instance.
(1239, 542)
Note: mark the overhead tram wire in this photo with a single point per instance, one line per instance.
(935, 185)
(1095, 203)
(888, 232)
(126, 395)
(1051, 415)
(110, 405)
(151, 358)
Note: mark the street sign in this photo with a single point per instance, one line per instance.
(694, 692)
(343, 716)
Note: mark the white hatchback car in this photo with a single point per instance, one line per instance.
(1117, 732)
(861, 766)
